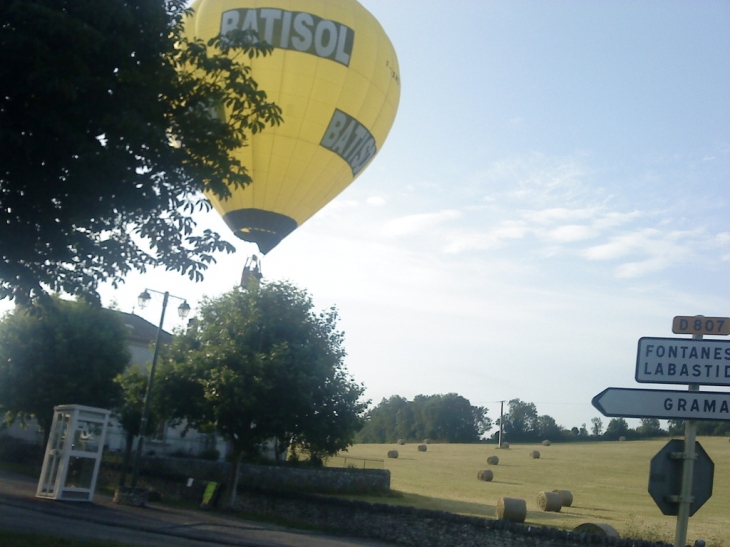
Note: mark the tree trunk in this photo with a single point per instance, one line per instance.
(233, 479)
(127, 458)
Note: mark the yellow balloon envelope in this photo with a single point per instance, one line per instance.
(335, 75)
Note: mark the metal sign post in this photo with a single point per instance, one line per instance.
(685, 497)
(698, 326)
(679, 361)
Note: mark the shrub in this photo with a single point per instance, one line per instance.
(212, 454)
(14, 450)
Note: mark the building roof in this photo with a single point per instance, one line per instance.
(141, 330)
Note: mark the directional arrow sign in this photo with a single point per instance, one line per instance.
(616, 402)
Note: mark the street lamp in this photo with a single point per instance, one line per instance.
(183, 310)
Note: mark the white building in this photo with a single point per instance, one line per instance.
(168, 440)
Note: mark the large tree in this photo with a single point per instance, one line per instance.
(260, 363)
(616, 428)
(548, 428)
(452, 418)
(57, 353)
(390, 420)
(449, 418)
(521, 422)
(596, 426)
(677, 427)
(650, 427)
(107, 138)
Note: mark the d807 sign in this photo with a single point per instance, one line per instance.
(717, 326)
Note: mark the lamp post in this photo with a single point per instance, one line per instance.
(183, 310)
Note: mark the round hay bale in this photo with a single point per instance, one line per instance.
(401, 442)
(550, 501)
(546, 443)
(492, 460)
(622, 439)
(485, 475)
(392, 453)
(426, 441)
(511, 509)
(505, 445)
(535, 455)
(422, 448)
(597, 528)
(567, 497)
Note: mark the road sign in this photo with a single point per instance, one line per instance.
(665, 477)
(713, 326)
(619, 402)
(683, 361)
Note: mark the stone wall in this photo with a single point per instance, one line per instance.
(205, 470)
(269, 477)
(325, 480)
(267, 491)
(415, 527)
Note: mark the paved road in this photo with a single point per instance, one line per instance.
(155, 525)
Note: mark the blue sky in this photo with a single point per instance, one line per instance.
(556, 185)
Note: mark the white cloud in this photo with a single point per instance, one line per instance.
(618, 247)
(566, 225)
(417, 224)
(533, 178)
(723, 238)
(511, 230)
(640, 269)
(659, 249)
(338, 204)
(375, 201)
(611, 220)
(572, 232)
(462, 241)
(549, 216)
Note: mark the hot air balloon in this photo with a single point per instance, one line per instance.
(334, 73)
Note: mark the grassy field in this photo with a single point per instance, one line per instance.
(608, 481)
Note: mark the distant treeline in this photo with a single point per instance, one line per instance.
(446, 418)
(523, 424)
(452, 418)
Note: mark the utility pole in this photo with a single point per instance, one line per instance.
(501, 422)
